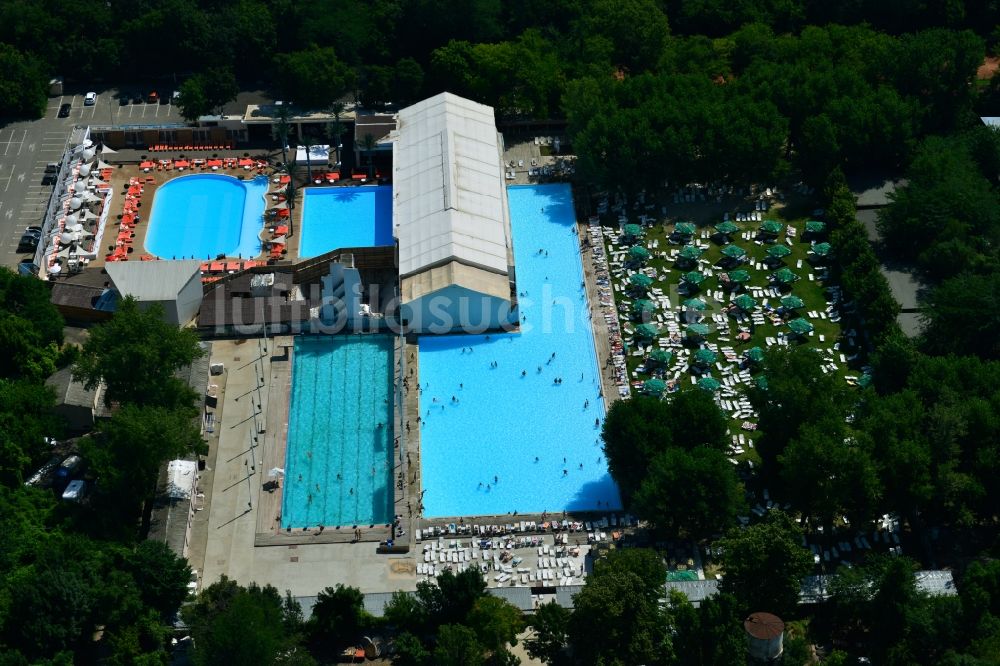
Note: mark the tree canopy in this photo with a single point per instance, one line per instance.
(136, 354)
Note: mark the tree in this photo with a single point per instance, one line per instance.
(368, 145)
(23, 83)
(457, 645)
(338, 619)
(826, 474)
(336, 129)
(314, 78)
(161, 577)
(696, 421)
(242, 625)
(136, 354)
(26, 420)
(644, 563)
(796, 387)
(764, 564)
(549, 639)
(453, 597)
(617, 607)
(694, 494)
(962, 314)
(25, 354)
(126, 454)
(712, 633)
(409, 651)
(207, 92)
(30, 299)
(496, 623)
(634, 431)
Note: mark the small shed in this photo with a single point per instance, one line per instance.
(75, 403)
(176, 285)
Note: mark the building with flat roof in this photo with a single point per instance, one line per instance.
(451, 218)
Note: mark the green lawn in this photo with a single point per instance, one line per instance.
(811, 292)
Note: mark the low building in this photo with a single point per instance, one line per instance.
(175, 285)
(78, 405)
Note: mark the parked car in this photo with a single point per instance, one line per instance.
(64, 110)
(67, 468)
(90, 99)
(27, 268)
(49, 179)
(137, 98)
(123, 100)
(75, 491)
(153, 97)
(28, 242)
(52, 167)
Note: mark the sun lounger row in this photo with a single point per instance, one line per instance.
(160, 147)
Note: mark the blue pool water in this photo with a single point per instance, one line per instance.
(499, 420)
(336, 217)
(205, 215)
(340, 393)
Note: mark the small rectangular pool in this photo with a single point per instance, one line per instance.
(338, 217)
(511, 422)
(338, 462)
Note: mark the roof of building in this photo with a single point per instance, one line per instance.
(69, 391)
(991, 121)
(449, 201)
(565, 594)
(695, 590)
(152, 280)
(378, 125)
(181, 478)
(764, 626)
(454, 274)
(519, 597)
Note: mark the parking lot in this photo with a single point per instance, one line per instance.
(27, 146)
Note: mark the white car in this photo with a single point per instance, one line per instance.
(90, 99)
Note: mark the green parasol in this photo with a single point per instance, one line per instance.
(684, 229)
(761, 382)
(708, 384)
(778, 251)
(661, 356)
(792, 302)
(695, 304)
(654, 386)
(821, 249)
(640, 280)
(698, 329)
(690, 252)
(771, 227)
(738, 277)
(864, 381)
(800, 326)
(638, 252)
(633, 230)
(784, 276)
(745, 302)
(726, 228)
(646, 331)
(734, 252)
(694, 277)
(815, 226)
(643, 305)
(755, 354)
(704, 357)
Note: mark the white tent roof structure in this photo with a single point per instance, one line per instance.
(449, 201)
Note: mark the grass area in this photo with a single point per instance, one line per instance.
(668, 278)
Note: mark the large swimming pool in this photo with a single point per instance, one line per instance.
(204, 215)
(336, 217)
(500, 433)
(338, 462)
